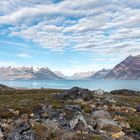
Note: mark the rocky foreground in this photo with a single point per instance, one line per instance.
(74, 114)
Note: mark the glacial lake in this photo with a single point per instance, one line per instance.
(106, 85)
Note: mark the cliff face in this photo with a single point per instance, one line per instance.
(127, 69)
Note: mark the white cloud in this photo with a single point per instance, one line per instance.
(23, 55)
(101, 26)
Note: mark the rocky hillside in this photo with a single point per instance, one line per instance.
(74, 114)
(127, 69)
(27, 73)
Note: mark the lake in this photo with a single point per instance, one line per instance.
(106, 85)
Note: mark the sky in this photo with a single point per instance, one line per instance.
(68, 35)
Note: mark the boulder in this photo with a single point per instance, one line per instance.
(124, 124)
(21, 131)
(105, 122)
(108, 125)
(101, 114)
(99, 92)
(78, 122)
(75, 93)
(78, 117)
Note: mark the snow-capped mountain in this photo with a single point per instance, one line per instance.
(27, 73)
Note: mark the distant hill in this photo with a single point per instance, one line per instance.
(4, 87)
(82, 75)
(27, 73)
(99, 74)
(127, 69)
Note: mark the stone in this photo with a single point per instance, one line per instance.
(110, 100)
(118, 135)
(78, 117)
(21, 130)
(133, 110)
(76, 93)
(99, 92)
(31, 115)
(105, 107)
(51, 125)
(108, 125)
(126, 92)
(101, 114)
(44, 115)
(124, 124)
(1, 135)
(90, 120)
(37, 111)
(24, 117)
(138, 108)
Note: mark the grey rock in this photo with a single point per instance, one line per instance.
(105, 121)
(99, 92)
(76, 93)
(1, 135)
(110, 100)
(108, 125)
(126, 92)
(77, 117)
(52, 124)
(138, 108)
(21, 131)
(101, 114)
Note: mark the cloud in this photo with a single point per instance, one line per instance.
(99, 26)
(23, 55)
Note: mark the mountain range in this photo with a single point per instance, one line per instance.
(127, 69)
(27, 73)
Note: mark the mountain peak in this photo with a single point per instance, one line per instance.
(127, 69)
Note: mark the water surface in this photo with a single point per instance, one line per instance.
(106, 85)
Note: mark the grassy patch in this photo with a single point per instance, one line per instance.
(134, 122)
